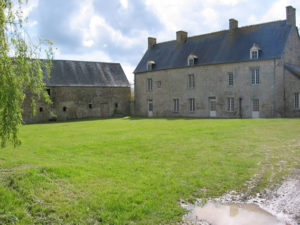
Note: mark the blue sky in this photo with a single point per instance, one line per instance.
(117, 30)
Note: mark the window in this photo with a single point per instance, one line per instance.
(297, 101)
(41, 109)
(255, 105)
(150, 65)
(116, 105)
(158, 83)
(254, 55)
(149, 84)
(192, 104)
(90, 105)
(213, 105)
(192, 60)
(230, 79)
(230, 104)
(150, 105)
(191, 81)
(176, 105)
(255, 76)
(255, 51)
(49, 91)
(65, 109)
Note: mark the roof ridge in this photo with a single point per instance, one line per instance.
(71, 60)
(223, 31)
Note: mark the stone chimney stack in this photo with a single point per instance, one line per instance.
(291, 15)
(181, 37)
(151, 42)
(233, 24)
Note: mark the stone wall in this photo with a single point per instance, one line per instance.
(70, 103)
(291, 82)
(211, 81)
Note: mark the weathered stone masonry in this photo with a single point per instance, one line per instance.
(242, 72)
(82, 90)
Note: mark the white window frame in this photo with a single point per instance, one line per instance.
(230, 104)
(192, 104)
(191, 81)
(191, 60)
(150, 65)
(254, 51)
(230, 79)
(176, 105)
(254, 54)
(255, 78)
(149, 84)
(297, 100)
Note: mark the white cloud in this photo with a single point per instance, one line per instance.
(277, 11)
(128, 70)
(96, 55)
(124, 4)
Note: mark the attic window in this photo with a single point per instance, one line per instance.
(150, 65)
(192, 60)
(254, 51)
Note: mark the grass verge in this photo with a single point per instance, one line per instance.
(134, 170)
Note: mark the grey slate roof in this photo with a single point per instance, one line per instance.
(81, 73)
(220, 47)
(293, 69)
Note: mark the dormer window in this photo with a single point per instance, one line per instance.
(192, 60)
(254, 51)
(150, 65)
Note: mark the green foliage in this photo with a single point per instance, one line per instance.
(21, 70)
(135, 171)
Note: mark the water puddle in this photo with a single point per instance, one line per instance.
(279, 206)
(232, 214)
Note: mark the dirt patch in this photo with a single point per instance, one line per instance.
(279, 206)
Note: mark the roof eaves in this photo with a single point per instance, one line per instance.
(209, 64)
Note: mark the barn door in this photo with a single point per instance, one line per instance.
(104, 110)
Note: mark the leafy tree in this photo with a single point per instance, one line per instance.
(21, 70)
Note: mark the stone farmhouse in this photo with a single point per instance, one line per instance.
(242, 72)
(82, 90)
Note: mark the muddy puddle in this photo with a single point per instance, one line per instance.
(279, 206)
(232, 214)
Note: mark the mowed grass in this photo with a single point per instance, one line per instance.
(134, 170)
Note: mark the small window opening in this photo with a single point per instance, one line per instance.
(230, 79)
(49, 91)
(41, 109)
(64, 108)
(159, 84)
(150, 65)
(192, 60)
(116, 105)
(90, 105)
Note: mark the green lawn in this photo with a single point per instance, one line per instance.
(135, 171)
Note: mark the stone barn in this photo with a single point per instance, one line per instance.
(241, 72)
(80, 89)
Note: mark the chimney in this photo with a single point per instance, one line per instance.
(151, 42)
(233, 24)
(291, 15)
(181, 37)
